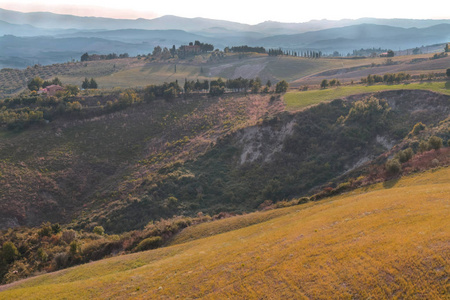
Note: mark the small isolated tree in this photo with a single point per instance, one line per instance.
(98, 230)
(448, 72)
(435, 142)
(10, 252)
(324, 84)
(281, 87)
(390, 53)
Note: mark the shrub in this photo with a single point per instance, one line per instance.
(423, 146)
(9, 252)
(435, 163)
(98, 230)
(303, 200)
(417, 128)
(56, 228)
(42, 255)
(281, 87)
(435, 142)
(61, 260)
(393, 166)
(405, 155)
(149, 243)
(74, 248)
(46, 230)
(68, 236)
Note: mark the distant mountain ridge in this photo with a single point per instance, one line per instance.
(70, 36)
(52, 20)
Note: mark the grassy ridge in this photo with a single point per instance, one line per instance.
(298, 100)
(382, 241)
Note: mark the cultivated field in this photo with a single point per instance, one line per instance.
(298, 71)
(295, 100)
(383, 241)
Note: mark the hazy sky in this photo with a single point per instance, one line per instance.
(249, 12)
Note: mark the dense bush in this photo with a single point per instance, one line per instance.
(281, 87)
(393, 166)
(149, 243)
(435, 142)
(98, 230)
(9, 252)
(405, 155)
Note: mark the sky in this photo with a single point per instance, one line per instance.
(242, 11)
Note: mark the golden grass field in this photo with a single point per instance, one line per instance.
(387, 241)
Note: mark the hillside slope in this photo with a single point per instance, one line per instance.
(155, 160)
(388, 240)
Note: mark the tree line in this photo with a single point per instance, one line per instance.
(93, 57)
(246, 48)
(305, 53)
(387, 78)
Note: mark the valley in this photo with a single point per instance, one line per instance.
(198, 158)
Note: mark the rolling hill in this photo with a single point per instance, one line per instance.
(227, 153)
(141, 35)
(380, 241)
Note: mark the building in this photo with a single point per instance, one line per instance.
(51, 90)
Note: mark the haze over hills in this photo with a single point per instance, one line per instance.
(142, 35)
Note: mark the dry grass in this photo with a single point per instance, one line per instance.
(376, 242)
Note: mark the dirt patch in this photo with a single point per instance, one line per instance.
(263, 142)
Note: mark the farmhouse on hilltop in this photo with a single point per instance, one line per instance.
(51, 90)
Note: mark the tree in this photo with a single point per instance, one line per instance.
(157, 51)
(35, 84)
(393, 166)
(98, 230)
(390, 53)
(10, 252)
(71, 89)
(256, 85)
(447, 48)
(324, 84)
(85, 57)
(435, 142)
(423, 146)
(281, 87)
(448, 73)
(93, 84)
(85, 84)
